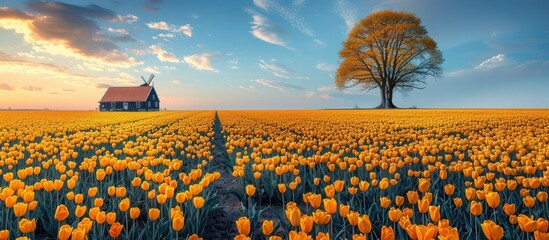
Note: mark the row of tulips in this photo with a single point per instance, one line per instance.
(130, 175)
(422, 174)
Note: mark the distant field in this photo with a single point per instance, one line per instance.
(351, 174)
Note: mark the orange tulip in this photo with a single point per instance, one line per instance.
(343, 210)
(134, 212)
(449, 189)
(542, 225)
(111, 217)
(330, 205)
(282, 188)
(384, 202)
(64, 232)
(540, 236)
(124, 205)
(338, 185)
(80, 211)
(423, 205)
(387, 233)
(526, 224)
(120, 192)
(111, 190)
(423, 185)
(154, 213)
(115, 229)
(198, 202)
(434, 213)
(399, 200)
(395, 214)
(458, 202)
(306, 223)
(542, 196)
(101, 217)
(493, 199)
(321, 217)
(412, 197)
(27, 226)
(509, 209)
(314, 200)
(475, 208)
(267, 227)
(5, 234)
(243, 226)
(20, 209)
(364, 224)
(529, 201)
(92, 191)
(61, 213)
(10, 201)
(250, 190)
(491, 230)
(294, 215)
(352, 217)
(78, 198)
(178, 222)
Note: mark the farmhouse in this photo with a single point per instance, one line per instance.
(141, 98)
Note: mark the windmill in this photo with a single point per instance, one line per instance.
(147, 82)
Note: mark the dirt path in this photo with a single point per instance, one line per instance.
(221, 225)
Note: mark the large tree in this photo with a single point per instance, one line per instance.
(390, 51)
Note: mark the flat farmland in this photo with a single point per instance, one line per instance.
(303, 174)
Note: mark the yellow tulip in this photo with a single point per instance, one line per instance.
(243, 226)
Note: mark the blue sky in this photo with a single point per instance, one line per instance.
(261, 54)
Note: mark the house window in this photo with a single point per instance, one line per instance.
(138, 104)
(102, 105)
(125, 105)
(154, 97)
(113, 104)
(156, 104)
(149, 104)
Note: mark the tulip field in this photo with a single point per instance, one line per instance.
(303, 174)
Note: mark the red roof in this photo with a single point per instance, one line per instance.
(127, 94)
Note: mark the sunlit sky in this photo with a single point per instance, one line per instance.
(261, 54)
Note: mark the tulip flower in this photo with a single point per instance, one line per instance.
(110, 218)
(154, 213)
(115, 229)
(387, 233)
(250, 190)
(267, 227)
(412, 197)
(364, 224)
(27, 226)
(314, 200)
(61, 213)
(449, 189)
(423, 185)
(198, 202)
(178, 222)
(509, 209)
(384, 202)
(321, 217)
(353, 217)
(64, 232)
(476, 208)
(134, 212)
(529, 201)
(434, 213)
(491, 230)
(243, 226)
(423, 205)
(395, 214)
(19, 209)
(493, 199)
(330, 205)
(92, 191)
(306, 223)
(5, 234)
(526, 224)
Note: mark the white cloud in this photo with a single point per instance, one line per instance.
(130, 18)
(201, 61)
(248, 88)
(269, 84)
(176, 82)
(186, 29)
(320, 42)
(264, 30)
(152, 69)
(326, 67)
(274, 68)
(309, 94)
(347, 12)
(233, 64)
(494, 62)
(119, 30)
(163, 55)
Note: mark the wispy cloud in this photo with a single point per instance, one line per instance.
(119, 30)
(186, 29)
(497, 61)
(53, 30)
(265, 30)
(31, 88)
(163, 55)
(280, 86)
(130, 18)
(289, 15)
(277, 69)
(202, 61)
(326, 67)
(347, 12)
(6, 87)
(248, 88)
(152, 69)
(175, 82)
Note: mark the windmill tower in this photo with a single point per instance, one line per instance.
(147, 82)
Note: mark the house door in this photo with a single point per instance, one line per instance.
(125, 105)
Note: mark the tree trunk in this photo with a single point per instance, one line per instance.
(383, 98)
(389, 98)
